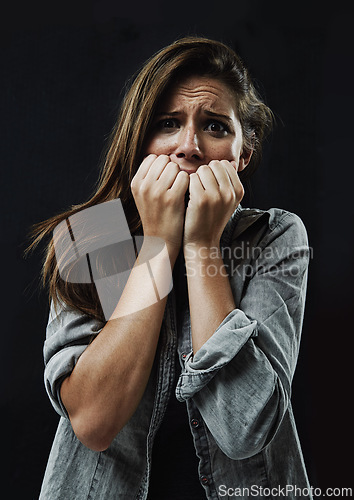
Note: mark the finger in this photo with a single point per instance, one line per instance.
(219, 169)
(157, 167)
(207, 178)
(196, 187)
(169, 174)
(231, 168)
(144, 167)
(180, 184)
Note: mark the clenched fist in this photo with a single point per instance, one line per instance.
(158, 188)
(215, 191)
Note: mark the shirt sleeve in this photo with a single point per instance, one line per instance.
(68, 334)
(240, 379)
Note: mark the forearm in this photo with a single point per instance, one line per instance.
(110, 377)
(209, 291)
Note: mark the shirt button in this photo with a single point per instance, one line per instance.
(204, 480)
(183, 355)
(195, 423)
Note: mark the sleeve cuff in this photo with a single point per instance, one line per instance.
(217, 352)
(59, 367)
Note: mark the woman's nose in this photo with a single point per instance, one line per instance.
(189, 145)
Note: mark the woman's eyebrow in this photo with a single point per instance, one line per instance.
(169, 113)
(218, 115)
(206, 111)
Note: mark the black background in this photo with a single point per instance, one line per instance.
(63, 69)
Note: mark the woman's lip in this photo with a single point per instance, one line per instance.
(188, 170)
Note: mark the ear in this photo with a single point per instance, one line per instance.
(245, 158)
(246, 153)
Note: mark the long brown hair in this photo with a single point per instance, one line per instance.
(125, 146)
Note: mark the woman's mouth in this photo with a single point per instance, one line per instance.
(188, 170)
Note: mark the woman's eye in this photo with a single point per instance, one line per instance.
(217, 127)
(167, 123)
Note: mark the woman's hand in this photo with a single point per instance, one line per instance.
(158, 189)
(215, 191)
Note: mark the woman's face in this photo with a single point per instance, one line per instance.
(197, 123)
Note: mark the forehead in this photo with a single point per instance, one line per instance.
(200, 90)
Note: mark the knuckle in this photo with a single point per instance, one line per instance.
(134, 185)
(155, 195)
(230, 197)
(170, 200)
(144, 188)
(241, 191)
(213, 200)
(202, 205)
(217, 200)
(202, 201)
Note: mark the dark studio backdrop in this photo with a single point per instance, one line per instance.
(63, 69)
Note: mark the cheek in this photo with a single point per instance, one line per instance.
(158, 146)
(225, 150)
(236, 148)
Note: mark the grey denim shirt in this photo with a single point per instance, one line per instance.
(237, 387)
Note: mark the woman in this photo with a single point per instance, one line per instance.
(187, 396)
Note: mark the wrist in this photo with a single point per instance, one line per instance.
(153, 246)
(205, 262)
(202, 250)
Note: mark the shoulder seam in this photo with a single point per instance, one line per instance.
(281, 220)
